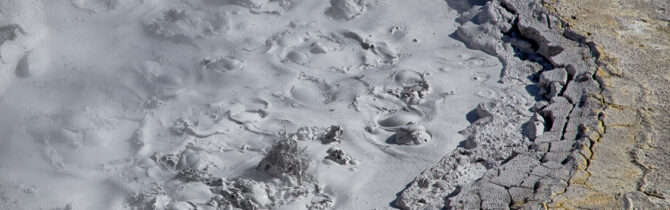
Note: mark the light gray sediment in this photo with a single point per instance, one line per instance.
(497, 167)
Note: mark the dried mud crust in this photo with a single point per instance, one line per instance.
(518, 158)
(628, 167)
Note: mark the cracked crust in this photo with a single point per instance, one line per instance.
(530, 174)
(627, 162)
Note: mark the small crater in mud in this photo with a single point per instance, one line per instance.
(298, 57)
(223, 64)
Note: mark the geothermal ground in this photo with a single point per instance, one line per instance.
(339, 104)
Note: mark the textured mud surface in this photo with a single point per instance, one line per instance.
(339, 104)
(251, 104)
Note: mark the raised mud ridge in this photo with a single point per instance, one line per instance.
(497, 167)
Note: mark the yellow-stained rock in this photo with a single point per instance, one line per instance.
(628, 165)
